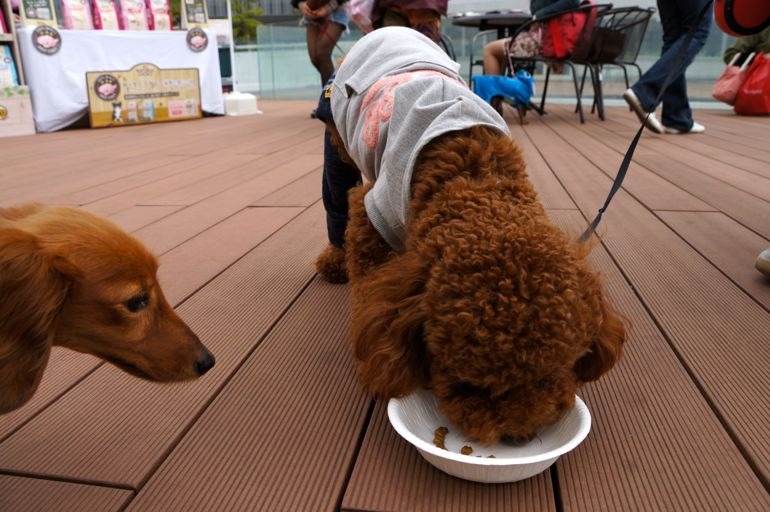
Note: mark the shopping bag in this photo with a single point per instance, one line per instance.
(753, 98)
(360, 11)
(568, 33)
(726, 87)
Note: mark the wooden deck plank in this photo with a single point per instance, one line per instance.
(65, 369)
(646, 186)
(182, 170)
(114, 429)
(294, 438)
(172, 231)
(678, 425)
(650, 424)
(19, 494)
(727, 245)
(391, 475)
(746, 208)
(551, 193)
(186, 268)
(237, 177)
(137, 217)
(698, 151)
(713, 338)
(300, 192)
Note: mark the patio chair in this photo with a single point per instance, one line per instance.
(577, 56)
(485, 36)
(448, 46)
(616, 40)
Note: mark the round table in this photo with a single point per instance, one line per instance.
(506, 22)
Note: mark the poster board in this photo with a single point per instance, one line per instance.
(143, 94)
(195, 13)
(37, 12)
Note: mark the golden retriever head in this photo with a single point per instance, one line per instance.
(70, 278)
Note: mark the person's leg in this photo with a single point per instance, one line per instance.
(329, 34)
(677, 114)
(321, 38)
(338, 178)
(494, 53)
(676, 18)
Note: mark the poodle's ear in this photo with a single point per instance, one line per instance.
(606, 348)
(32, 290)
(386, 327)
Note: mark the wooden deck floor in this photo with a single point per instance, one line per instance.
(232, 207)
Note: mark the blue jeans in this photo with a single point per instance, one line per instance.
(676, 17)
(338, 178)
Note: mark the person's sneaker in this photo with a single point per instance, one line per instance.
(763, 262)
(650, 122)
(696, 128)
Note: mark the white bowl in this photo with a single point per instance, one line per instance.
(416, 417)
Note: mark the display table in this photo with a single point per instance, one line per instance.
(57, 82)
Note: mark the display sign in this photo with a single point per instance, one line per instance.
(194, 13)
(143, 94)
(37, 12)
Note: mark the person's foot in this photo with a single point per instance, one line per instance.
(651, 122)
(695, 128)
(763, 262)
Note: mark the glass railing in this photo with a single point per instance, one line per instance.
(278, 67)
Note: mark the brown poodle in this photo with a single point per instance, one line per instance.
(488, 303)
(70, 278)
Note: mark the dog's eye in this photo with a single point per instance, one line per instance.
(137, 302)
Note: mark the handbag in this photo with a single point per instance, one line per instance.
(360, 11)
(569, 32)
(726, 87)
(753, 98)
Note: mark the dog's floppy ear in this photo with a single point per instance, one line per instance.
(386, 327)
(32, 290)
(606, 348)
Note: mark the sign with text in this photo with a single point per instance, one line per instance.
(195, 13)
(143, 94)
(37, 12)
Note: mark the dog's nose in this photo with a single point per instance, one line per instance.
(205, 363)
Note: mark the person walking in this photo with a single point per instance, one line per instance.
(676, 17)
(325, 25)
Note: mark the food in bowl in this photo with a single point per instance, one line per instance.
(417, 419)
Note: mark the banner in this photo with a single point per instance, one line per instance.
(143, 94)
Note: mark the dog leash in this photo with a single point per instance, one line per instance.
(632, 147)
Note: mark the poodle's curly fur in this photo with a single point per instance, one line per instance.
(490, 305)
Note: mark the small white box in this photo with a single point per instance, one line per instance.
(16, 112)
(241, 104)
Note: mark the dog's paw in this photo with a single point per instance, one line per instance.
(331, 264)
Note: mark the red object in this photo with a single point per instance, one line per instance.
(753, 97)
(729, 82)
(742, 17)
(564, 32)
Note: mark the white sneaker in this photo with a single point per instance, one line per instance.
(696, 128)
(650, 122)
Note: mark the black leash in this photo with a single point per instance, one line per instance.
(632, 147)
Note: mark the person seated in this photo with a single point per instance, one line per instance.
(759, 43)
(494, 52)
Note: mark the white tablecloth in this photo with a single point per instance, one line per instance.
(57, 82)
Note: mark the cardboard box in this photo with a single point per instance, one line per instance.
(15, 112)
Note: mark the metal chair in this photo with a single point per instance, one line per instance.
(592, 11)
(616, 40)
(485, 36)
